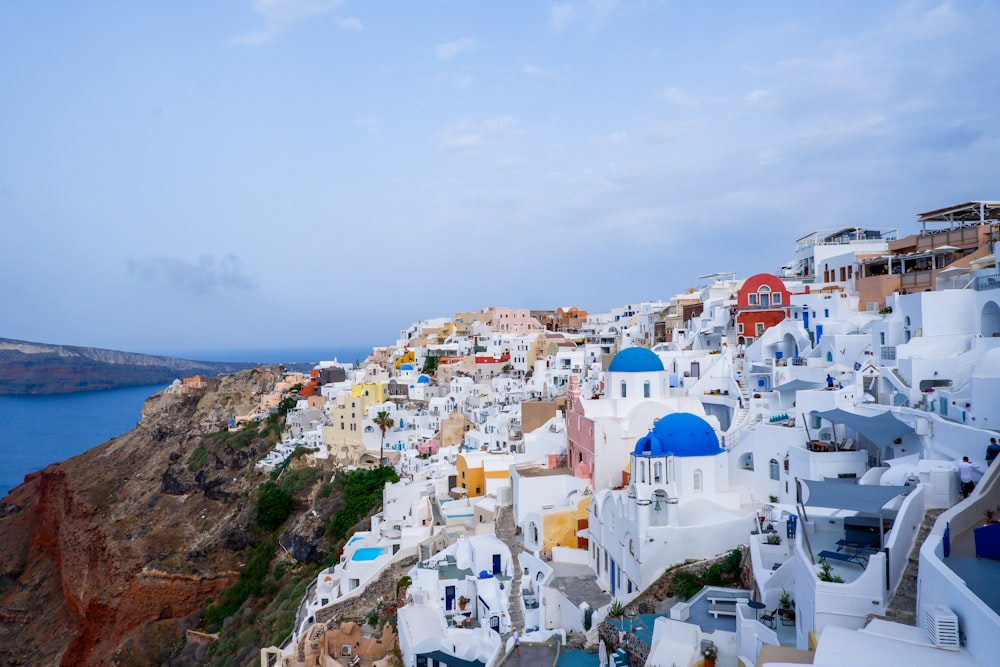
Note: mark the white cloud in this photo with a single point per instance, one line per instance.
(282, 15)
(561, 16)
(679, 97)
(539, 72)
(449, 50)
(592, 13)
(350, 23)
(614, 138)
(451, 141)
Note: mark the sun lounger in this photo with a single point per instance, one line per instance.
(857, 558)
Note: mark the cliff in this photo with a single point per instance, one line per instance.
(104, 555)
(37, 368)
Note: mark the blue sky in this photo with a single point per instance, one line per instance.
(293, 173)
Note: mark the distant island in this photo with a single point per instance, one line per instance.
(39, 368)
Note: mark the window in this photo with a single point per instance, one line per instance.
(759, 329)
(624, 392)
(774, 469)
(658, 471)
(764, 295)
(826, 312)
(739, 328)
(645, 389)
(776, 298)
(697, 481)
(752, 299)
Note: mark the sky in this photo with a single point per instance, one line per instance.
(289, 173)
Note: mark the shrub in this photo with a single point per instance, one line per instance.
(274, 505)
(362, 492)
(713, 575)
(198, 458)
(686, 584)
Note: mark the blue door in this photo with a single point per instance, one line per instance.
(495, 624)
(613, 568)
(819, 332)
(496, 563)
(449, 597)
(805, 319)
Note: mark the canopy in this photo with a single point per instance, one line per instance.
(865, 498)
(880, 429)
(795, 385)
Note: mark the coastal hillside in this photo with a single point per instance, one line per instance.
(39, 368)
(112, 556)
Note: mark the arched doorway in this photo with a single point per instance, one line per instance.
(989, 321)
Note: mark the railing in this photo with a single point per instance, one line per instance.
(888, 353)
(983, 283)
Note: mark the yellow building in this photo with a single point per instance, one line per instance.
(560, 528)
(481, 473)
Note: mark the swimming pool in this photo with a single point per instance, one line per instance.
(368, 553)
(577, 658)
(355, 539)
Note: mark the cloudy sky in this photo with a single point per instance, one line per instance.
(291, 173)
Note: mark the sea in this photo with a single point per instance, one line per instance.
(36, 431)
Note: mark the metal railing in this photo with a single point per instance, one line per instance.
(983, 283)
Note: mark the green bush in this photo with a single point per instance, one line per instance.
(274, 505)
(713, 575)
(198, 458)
(686, 584)
(362, 490)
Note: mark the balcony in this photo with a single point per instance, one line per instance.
(888, 353)
(983, 283)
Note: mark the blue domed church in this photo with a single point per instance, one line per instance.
(602, 430)
(676, 504)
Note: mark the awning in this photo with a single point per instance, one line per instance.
(880, 429)
(795, 385)
(865, 498)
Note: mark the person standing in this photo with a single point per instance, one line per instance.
(517, 643)
(992, 450)
(965, 468)
(829, 381)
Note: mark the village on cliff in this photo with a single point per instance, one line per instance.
(806, 426)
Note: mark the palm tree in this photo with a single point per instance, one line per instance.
(384, 423)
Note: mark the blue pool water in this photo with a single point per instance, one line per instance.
(577, 658)
(355, 539)
(368, 553)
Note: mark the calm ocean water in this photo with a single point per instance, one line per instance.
(38, 430)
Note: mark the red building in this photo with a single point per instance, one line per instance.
(762, 302)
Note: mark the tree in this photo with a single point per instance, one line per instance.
(384, 423)
(273, 506)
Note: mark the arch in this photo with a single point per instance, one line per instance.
(624, 389)
(774, 469)
(657, 472)
(989, 320)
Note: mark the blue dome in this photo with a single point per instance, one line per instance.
(680, 434)
(649, 445)
(635, 360)
(423, 379)
(406, 367)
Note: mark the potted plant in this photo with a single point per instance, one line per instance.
(990, 515)
(462, 601)
(785, 600)
(617, 610)
(711, 654)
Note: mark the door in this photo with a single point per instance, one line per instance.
(449, 598)
(495, 624)
(613, 568)
(819, 332)
(496, 563)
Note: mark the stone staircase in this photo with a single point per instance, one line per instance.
(506, 531)
(902, 606)
(743, 412)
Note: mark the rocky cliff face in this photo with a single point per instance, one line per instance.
(98, 551)
(37, 368)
